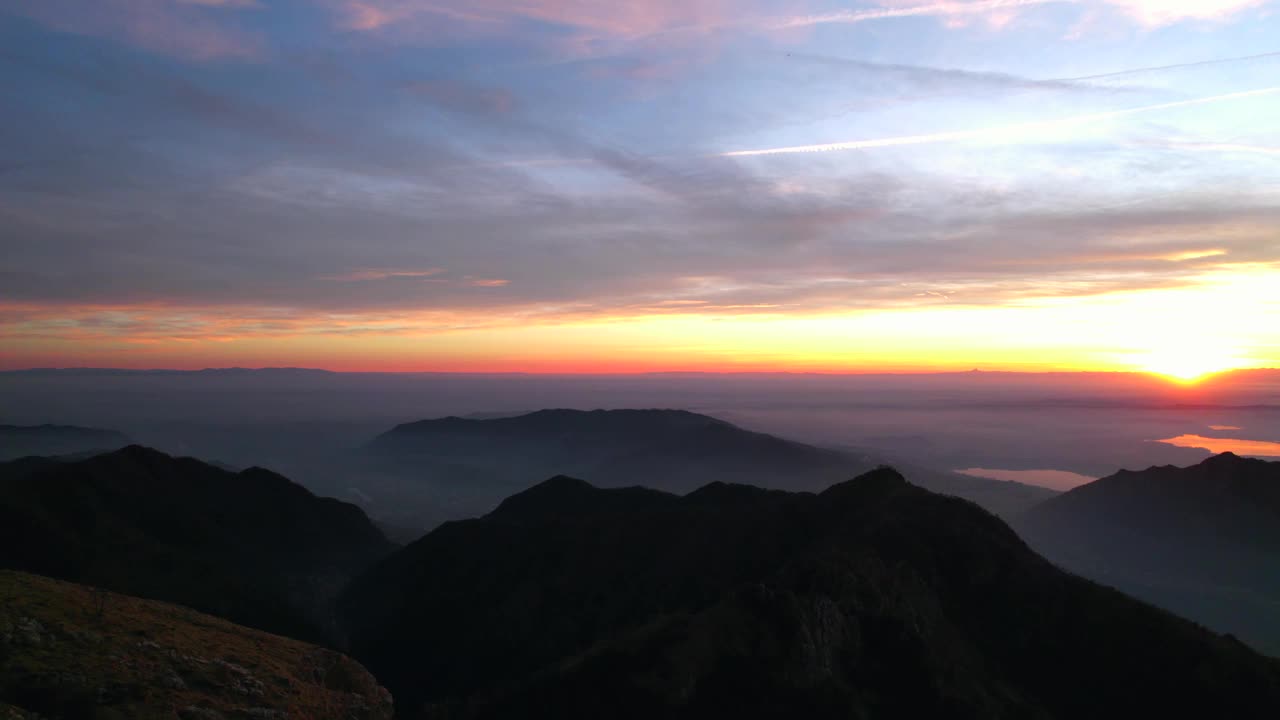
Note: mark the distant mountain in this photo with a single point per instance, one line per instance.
(251, 546)
(31, 372)
(1203, 541)
(874, 598)
(22, 440)
(71, 651)
(485, 459)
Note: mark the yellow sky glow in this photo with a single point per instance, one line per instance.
(1226, 320)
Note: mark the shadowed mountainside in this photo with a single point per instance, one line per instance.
(1203, 541)
(251, 546)
(470, 464)
(72, 651)
(22, 440)
(874, 598)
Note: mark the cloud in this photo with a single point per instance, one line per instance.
(1002, 133)
(460, 97)
(186, 30)
(187, 194)
(222, 3)
(1220, 147)
(948, 80)
(1149, 13)
(1175, 66)
(606, 19)
(366, 275)
(1157, 13)
(907, 8)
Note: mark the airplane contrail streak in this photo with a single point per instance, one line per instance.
(998, 130)
(1175, 66)
(938, 8)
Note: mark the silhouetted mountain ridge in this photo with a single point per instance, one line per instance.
(250, 546)
(27, 440)
(672, 450)
(873, 598)
(1202, 540)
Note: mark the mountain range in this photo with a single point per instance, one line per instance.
(1203, 541)
(46, 440)
(249, 546)
(467, 465)
(772, 587)
(873, 598)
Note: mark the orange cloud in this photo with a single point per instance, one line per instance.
(487, 282)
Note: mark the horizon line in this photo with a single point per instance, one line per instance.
(535, 373)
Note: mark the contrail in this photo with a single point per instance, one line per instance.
(939, 8)
(1175, 66)
(1224, 147)
(998, 130)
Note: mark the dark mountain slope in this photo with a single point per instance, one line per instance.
(874, 598)
(606, 443)
(485, 460)
(1203, 541)
(22, 440)
(72, 651)
(250, 546)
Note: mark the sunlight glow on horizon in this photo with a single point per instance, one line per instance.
(1181, 333)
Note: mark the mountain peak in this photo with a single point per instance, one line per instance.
(549, 495)
(565, 498)
(875, 598)
(1223, 459)
(874, 482)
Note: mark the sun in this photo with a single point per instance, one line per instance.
(1189, 364)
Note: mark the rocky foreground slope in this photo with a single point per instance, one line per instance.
(72, 651)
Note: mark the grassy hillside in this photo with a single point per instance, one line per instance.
(72, 651)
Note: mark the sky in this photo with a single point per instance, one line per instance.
(576, 186)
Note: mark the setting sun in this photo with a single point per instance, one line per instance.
(1190, 364)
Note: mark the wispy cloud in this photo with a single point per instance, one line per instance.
(190, 29)
(613, 19)
(222, 3)
(1149, 13)
(1221, 147)
(367, 275)
(949, 80)
(1174, 66)
(998, 133)
(902, 10)
(1155, 13)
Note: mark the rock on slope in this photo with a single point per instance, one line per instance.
(872, 599)
(72, 651)
(251, 546)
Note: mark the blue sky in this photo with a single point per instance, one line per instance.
(200, 169)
